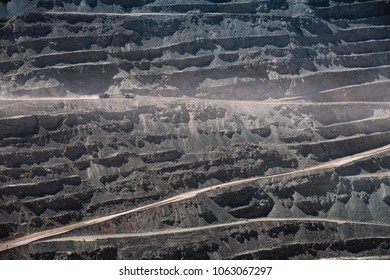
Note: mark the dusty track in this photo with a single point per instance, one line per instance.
(192, 229)
(56, 231)
(116, 14)
(90, 97)
(150, 99)
(141, 14)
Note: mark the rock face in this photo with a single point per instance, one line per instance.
(18, 126)
(201, 73)
(209, 49)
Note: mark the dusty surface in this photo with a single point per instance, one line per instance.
(259, 129)
(208, 49)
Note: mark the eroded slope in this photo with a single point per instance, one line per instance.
(229, 49)
(89, 178)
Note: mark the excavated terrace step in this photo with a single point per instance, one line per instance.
(344, 23)
(77, 42)
(363, 126)
(76, 57)
(363, 33)
(355, 10)
(377, 90)
(341, 147)
(48, 187)
(371, 46)
(313, 83)
(326, 3)
(363, 60)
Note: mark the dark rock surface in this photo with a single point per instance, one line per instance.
(330, 50)
(266, 240)
(198, 76)
(82, 171)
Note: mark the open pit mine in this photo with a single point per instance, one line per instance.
(183, 129)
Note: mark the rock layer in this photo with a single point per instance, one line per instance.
(207, 49)
(314, 75)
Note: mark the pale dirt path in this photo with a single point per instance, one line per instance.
(298, 100)
(371, 175)
(138, 14)
(294, 101)
(184, 196)
(311, 243)
(88, 238)
(117, 14)
(65, 98)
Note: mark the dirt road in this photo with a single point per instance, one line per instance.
(65, 98)
(184, 196)
(88, 238)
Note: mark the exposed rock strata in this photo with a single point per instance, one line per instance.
(68, 161)
(80, 169)
(231, 49)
